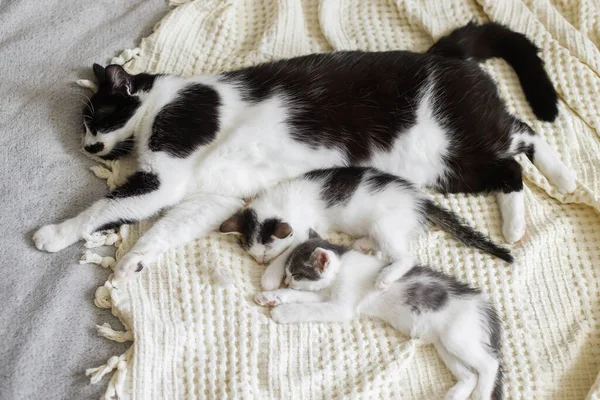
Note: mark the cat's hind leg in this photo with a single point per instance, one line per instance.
(393, 234)
(525, 140)
(466, 379)
(466, 340)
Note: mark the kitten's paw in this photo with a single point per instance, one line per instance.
(267, 299)
(383, 284)
(129, 266)
(365, 245)
(53, 238)
(283, 314)
(514, 230)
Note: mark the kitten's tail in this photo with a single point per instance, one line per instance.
(491, 40)
(453, 224)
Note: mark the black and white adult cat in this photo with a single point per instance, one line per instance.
(204, 142)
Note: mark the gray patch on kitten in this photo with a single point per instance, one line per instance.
(301, 264)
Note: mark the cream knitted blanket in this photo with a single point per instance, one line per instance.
(195, 329)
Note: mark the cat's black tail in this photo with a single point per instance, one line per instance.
(491, 40)
(453, 224)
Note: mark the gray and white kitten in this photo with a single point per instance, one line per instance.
(330, 283)
(364, 202)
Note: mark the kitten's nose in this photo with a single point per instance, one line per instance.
(94, 148)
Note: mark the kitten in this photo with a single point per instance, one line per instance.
(204, 142)
(330, 283)
(360, 201)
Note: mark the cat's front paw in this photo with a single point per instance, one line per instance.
(129, 266)
(383, 284)
(284, 314)
(269, 299)
(53, 238)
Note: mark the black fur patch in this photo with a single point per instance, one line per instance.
(249, 227)
(528, 149)
(490, 40)
(107, 112)
(347, 100)
(422, 297)
(454, 287)
(116, 224)
(460, 230)
(339, 184)
(267, 229)
(298, 261)
(191, 120)
(138, 184)
(121, 149)
(378, 180)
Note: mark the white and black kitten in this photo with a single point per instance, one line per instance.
(330, 283)
(360, 201)
(205, 142)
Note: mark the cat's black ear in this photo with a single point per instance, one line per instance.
(119, 79)
(282, 230)
(99, 73)
(312, 234)
(232, 225)
(321, 258)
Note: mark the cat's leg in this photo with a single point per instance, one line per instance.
(142, 196)
(195, 216)
(282, 296)
(466, 379)
(312, 312)
(467, 340)
(544, 158)
(275, 271)
(393, 236)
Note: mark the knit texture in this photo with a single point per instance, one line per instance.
(196, 331)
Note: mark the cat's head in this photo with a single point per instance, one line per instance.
(263, 238)
(314, 264)
(108, 111)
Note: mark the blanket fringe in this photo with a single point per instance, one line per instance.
(107, 295)
(105, 330)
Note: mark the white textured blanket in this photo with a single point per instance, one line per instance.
(196, 332)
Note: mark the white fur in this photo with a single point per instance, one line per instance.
(426, 138)
(512, 209)
(389, 217)
(457, 330)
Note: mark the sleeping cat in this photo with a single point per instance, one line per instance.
(205, 142)
(360, 201)
(330, 283)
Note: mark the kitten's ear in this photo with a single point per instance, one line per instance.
(232, 225)
(321, 258)
(99, 73)
(312, 234)
(119, 79)
(282, 230)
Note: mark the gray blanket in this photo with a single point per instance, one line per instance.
(47, 317)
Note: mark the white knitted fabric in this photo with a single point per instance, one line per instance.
(196, 331)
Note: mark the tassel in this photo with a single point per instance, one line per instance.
(126, 56)
(102, 297)
(106, 331)
(104, 238)
(93, 258)
(99, 372)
